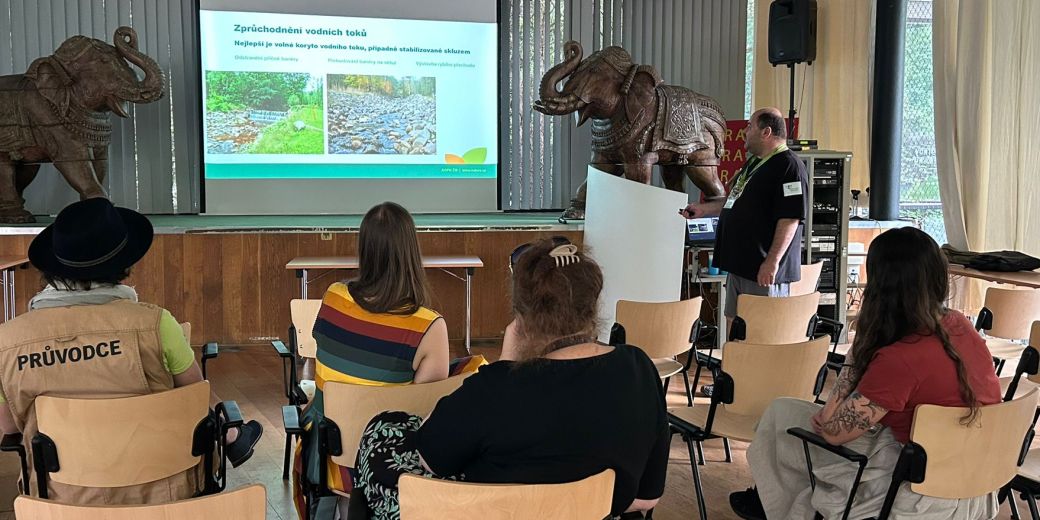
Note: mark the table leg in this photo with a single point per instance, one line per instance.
(721, 318)
(302, 275)
(469, 306)
(7, 303)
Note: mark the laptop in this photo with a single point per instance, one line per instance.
(701, 231)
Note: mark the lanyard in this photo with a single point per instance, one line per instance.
(763, 160)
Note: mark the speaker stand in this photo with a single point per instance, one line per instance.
(791, 114)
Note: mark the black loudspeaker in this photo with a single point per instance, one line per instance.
(792, 31)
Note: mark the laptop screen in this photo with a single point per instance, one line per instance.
(701, 230)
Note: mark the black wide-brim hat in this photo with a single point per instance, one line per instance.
(91, 240)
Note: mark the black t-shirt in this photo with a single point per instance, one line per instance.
(777, 189)
(556, 421)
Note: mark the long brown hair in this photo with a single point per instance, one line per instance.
(554, 305)
(906, 295)
(391, 278)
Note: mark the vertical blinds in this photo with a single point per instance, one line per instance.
(155, 155)
(700, 44)
(153, 159)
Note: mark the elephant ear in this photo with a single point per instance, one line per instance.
(52, 81)
(640, 90)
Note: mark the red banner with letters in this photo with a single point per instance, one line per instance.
(734, 155)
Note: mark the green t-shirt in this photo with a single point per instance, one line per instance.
(177, 354)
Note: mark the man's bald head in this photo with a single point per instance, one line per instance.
(771, 118)
(766, 130)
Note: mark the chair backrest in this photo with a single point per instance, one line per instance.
(186, 329)
(304, 313)
(777, 321)
(762, 373)
(432, 499)
(662, 330)
(352, 406)
(247, 503)
(988, 450)
(809, 281)
(1034, 341)
(1014, 311)
(124, 441)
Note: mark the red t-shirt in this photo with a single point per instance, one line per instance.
(916, 370)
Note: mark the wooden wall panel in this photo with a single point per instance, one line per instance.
(234, 288)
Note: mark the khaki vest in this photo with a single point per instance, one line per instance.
(98, 351)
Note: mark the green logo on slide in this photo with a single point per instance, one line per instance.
(474, 156)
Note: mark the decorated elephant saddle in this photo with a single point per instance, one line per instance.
(680, 125)
(14, 125)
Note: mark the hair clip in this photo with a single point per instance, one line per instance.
(566, 254)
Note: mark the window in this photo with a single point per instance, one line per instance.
(749, 59)
(919, 181)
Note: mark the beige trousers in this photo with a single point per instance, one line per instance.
(777, 462)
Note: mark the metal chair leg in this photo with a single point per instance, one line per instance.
(667, 380)
(700, 454)
(725, 446)
(1031, 502)
(285, 462)
(689, 392)
(701, 508)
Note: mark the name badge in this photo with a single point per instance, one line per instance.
(729, 202)
(792, 188)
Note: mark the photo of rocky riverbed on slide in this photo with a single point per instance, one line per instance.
(264, 113)
(382, 115)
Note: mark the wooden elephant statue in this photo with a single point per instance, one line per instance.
(58, 112)
(637, 121)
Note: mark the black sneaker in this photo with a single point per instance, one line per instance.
(241, 450)
(707, 390)
(746, 504)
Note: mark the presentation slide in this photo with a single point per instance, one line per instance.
(318, 101)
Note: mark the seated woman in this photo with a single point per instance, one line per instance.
(909, 350)
(377, 329)
(84, 256)
(558, 407)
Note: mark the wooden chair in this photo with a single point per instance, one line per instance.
(751, 376)
(348, 409)
(131, 440)
(432, 499)
(663, 331)
(304, 314)
(774, 321)
(809, 281)
(246, 503)
(942, 451)
(1028, 365)
(1007, 316)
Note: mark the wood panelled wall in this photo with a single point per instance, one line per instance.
(234, 288)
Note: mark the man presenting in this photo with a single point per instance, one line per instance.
(757, 238)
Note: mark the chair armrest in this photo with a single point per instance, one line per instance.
(617, 334)
(291, 419)
(209, 351)
(280, 347)
(985, 320)
(841, 451)
(832, 328)
(228, 415)
(12, 442)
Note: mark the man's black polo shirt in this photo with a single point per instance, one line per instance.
(776, 189)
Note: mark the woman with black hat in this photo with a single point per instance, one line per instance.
(86, 335)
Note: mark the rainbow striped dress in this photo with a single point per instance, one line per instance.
(359, 347)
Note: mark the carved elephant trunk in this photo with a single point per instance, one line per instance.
(552, 101)
(152, 87)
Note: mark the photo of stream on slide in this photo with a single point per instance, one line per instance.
(264, 113)
(382, 115)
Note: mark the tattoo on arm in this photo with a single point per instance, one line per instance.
(855, 416)
(843, 386)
